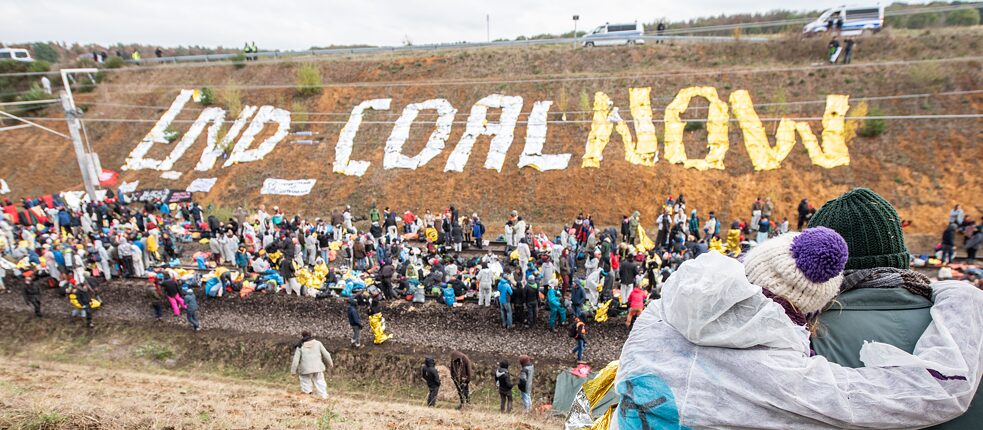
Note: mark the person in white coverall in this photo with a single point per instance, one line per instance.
(309, 363)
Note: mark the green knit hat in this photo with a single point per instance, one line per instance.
(870, 226)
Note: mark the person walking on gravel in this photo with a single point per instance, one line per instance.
(525, 382)
(355, 321)
(309, 362)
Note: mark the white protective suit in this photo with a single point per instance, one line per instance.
(714, 352)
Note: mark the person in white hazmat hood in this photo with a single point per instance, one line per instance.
(727, 346)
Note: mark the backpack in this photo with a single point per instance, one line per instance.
(572, 330)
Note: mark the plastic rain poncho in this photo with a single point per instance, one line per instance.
(714, 352)
(378, 325)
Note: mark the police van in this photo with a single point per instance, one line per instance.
(614, 34)
(15, 54)
(856, 19)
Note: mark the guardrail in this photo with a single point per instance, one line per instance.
(432, 47)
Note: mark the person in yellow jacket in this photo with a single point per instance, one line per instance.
(734, 239)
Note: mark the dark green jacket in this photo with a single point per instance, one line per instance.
(889, 315)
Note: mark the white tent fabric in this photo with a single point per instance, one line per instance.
(478, 125)
(394, 157)
(532, 153)
(343, 163)
(136, 160)
(215, 149)
(714, 352)
(4, 189)
(267, 113)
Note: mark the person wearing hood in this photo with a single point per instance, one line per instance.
(525, 381)
(309, 362)
(355, 321)
(504, 383)
(577, 298)
(462, 372)
(553, 300)
(102, 259)
(432, 378)
(505, 301)
(191, 312)
(726, 333)
(486, 277)
(881, 298)
(32, 293)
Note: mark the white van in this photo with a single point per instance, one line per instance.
(855, 19)
(15, 54)
(614, 34)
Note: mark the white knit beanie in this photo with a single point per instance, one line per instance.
(804, 268)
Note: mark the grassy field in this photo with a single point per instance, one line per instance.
(73, 378)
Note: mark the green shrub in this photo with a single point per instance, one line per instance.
(693, 126)
(44, 51)
(232, 99)
(114, 62)
(170, 134)
(155, 351)
(963, 17)
(207, 96)
(308, 80)
(239, 60)
(40, 66)
(872, 127)
(33, 94)
(299, 114)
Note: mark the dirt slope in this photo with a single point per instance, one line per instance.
(38, 394)
(924, 167)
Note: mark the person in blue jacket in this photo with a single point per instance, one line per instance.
(505, 301)
(553, 296)
(355, 321)
(192, 311)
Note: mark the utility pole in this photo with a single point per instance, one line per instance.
(90, 177)
(73, 129)
(488, 27)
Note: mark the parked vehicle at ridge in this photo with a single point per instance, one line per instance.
(614, 34)
(16, 54)
(859, 18)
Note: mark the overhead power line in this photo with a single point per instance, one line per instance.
(550, 79)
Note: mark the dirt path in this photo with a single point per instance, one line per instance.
(50, 395)
(423, 329)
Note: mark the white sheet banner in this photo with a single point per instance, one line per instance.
(156, 135)
(346, 140)
(201, 185)
(288, 187)
(532, 154)
(266, 114)
(172, 175)
(4, 189)
(214, 148)
(128, 187)
(478, 125)
(394, 157)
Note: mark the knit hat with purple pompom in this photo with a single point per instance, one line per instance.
(806, 269)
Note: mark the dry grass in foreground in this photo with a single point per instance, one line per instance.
(51, 395)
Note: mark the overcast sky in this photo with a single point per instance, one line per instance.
(293, 24)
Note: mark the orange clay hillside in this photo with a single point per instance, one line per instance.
(923, 166)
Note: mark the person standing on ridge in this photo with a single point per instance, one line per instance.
(432, 378)
(309, 363)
